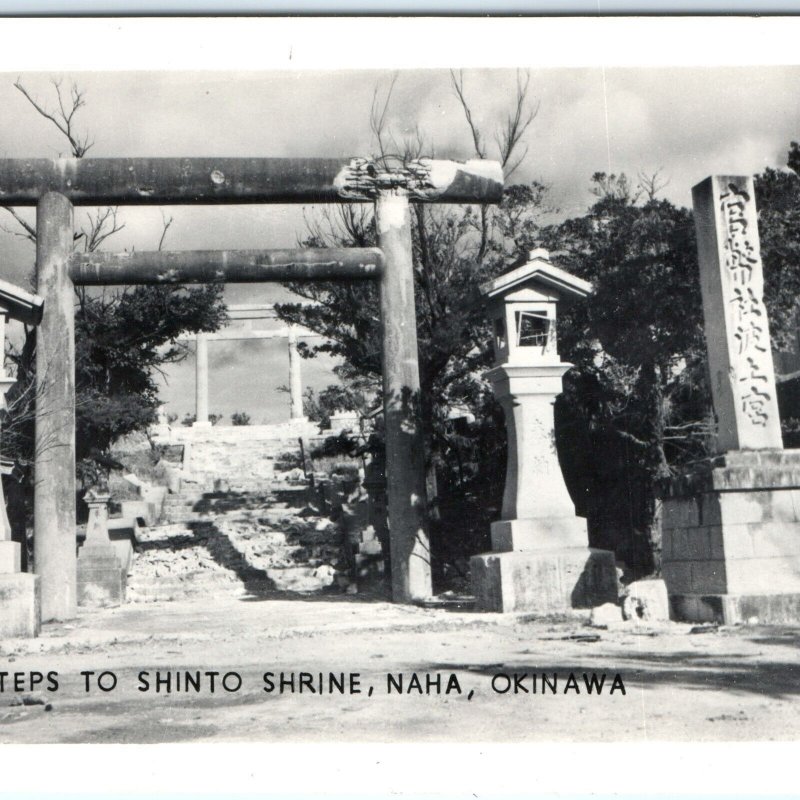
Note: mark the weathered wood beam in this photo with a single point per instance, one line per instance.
(225, 266)
(192, 181)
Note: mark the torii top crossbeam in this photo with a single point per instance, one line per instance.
(187, 181)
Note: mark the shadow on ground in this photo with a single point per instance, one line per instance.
(256, 582)
(679, 670)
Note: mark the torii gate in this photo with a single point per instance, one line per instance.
(55, 186)
(238, 313)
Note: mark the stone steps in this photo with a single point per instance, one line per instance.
(223, 544)
(188, 585)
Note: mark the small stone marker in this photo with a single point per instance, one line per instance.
(101, 575)
(736, 324)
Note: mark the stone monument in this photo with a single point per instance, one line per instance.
(731, 527)
(101, 575)
(540, 559)
(19, 591)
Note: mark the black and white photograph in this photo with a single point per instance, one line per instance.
(450, 403)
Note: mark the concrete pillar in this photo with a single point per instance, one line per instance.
(405, 446)
(295, 377)
(54, 490)
(201, 380)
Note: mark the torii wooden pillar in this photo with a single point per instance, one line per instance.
(54, 186)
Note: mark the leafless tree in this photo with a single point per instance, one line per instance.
(63, 117)
(650, 184)
(104, 223)
(507, 137)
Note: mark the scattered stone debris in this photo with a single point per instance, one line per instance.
(710, 628)
(739, 717)
(646, 601)
(605, 615)
(34, 699)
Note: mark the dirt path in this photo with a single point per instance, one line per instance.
(728, 684)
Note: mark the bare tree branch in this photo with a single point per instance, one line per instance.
(457, 80)
(29, 230)
(651, 184)
(165, 227)
(377, 118)
(101, 227)
(517, 123)
(63, 118)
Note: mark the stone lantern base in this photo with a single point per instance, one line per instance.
(731, 539)
(544, 581)
(19, 594)
(20, 604)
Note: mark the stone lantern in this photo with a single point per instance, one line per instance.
(19, 591)
(540, 559)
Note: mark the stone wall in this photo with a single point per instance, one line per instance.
(732, 532)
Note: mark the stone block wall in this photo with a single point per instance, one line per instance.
(732, 542)
(731, 538)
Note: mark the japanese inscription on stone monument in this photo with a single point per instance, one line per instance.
(736, 324)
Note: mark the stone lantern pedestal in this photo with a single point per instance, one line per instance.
(540, 560)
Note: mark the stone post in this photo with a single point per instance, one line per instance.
(161, 430)
(201, 381)
(54, 491)
(295, 377)
(736, 324)
(405, 445)
(731, 526)
(20, 598)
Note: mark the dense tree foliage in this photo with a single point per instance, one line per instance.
(637, 397)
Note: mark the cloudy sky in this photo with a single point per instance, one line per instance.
(688, 122)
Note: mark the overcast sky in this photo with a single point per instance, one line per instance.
(688, 122)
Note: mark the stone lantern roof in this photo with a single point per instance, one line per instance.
(538, 267)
